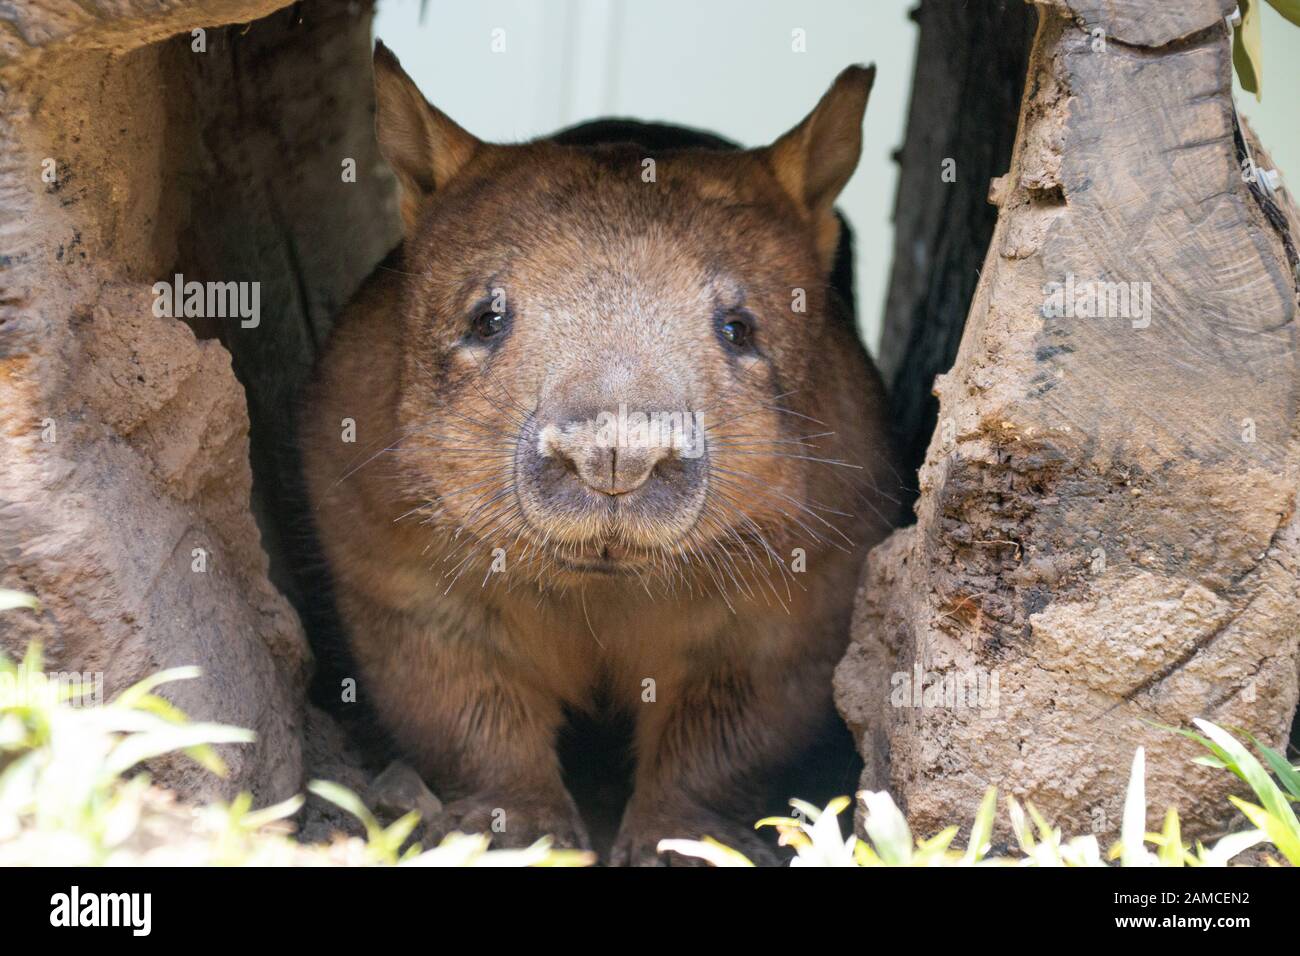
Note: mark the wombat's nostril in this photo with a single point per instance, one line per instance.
(609, 469)
(618, 471)
(668, 466)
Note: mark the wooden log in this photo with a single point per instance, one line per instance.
(1106, 531)
(126, 491)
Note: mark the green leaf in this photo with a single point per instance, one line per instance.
(1288, 774)
(1230, 846)
(208, 759)
(1288, 8)
(159, 707)
(1220, 760)
(1082, 851)
(132, 696)
(1283, 835)
(12, 599)
(345, 799)
(168, 737)
(1171, 850)
(937, 844)
(1133, 826)
(837, 806)
(981, 831)
(570, 858)
(279, 811)
(1247, 56)
(778, 822)
(887, 828)
(30, 667)
(810, 812)
(1254, 774)
(709, 850)
(1046, 832)
(400, 829)
(1024, 835)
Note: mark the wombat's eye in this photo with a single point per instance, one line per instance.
(489, 324)
(737, 331)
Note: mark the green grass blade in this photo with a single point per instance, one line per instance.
(981, 831)
(1283, 836)
(1171, 851)
(1254, 774)
(1286, 773)
(12, 599)
(1133, 826)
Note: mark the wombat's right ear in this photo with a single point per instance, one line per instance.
(421, 143)
(815, 159)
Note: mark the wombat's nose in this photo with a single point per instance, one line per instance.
(583, 474)
(599, 457)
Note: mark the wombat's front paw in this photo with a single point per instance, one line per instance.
(511, 822)
(638, 839)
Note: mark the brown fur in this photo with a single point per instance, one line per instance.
(678, 570)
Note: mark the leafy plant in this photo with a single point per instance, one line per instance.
(63, 765)
(12, 599)
(1273, 815)
(384, 844)
(72, 791)
(817, 840)
(1247, 46)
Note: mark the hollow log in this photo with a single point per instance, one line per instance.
(1106, 536)
(1106, 518)
(132, 152)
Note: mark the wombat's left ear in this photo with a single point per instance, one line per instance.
(424, 147)
(815, 159)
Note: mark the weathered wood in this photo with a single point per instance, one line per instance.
(1062, 441)
(1145, 22)
(118, 25)
(222, 165)
(1106, 523)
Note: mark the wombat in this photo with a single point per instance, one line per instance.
(617, 444)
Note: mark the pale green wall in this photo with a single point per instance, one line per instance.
(724, 65)
(1274, 117)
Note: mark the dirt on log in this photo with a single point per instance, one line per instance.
(1106, 531)
(135, 149)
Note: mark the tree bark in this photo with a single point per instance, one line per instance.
(129, 155)
(1106, 531)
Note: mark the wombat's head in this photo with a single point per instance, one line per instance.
(621, 361)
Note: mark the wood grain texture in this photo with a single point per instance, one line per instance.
(118, 25)
(221, 166)
(1106, 523)
(1147, 23)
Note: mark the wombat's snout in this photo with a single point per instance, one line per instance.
(647, 466)
(598, 460)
